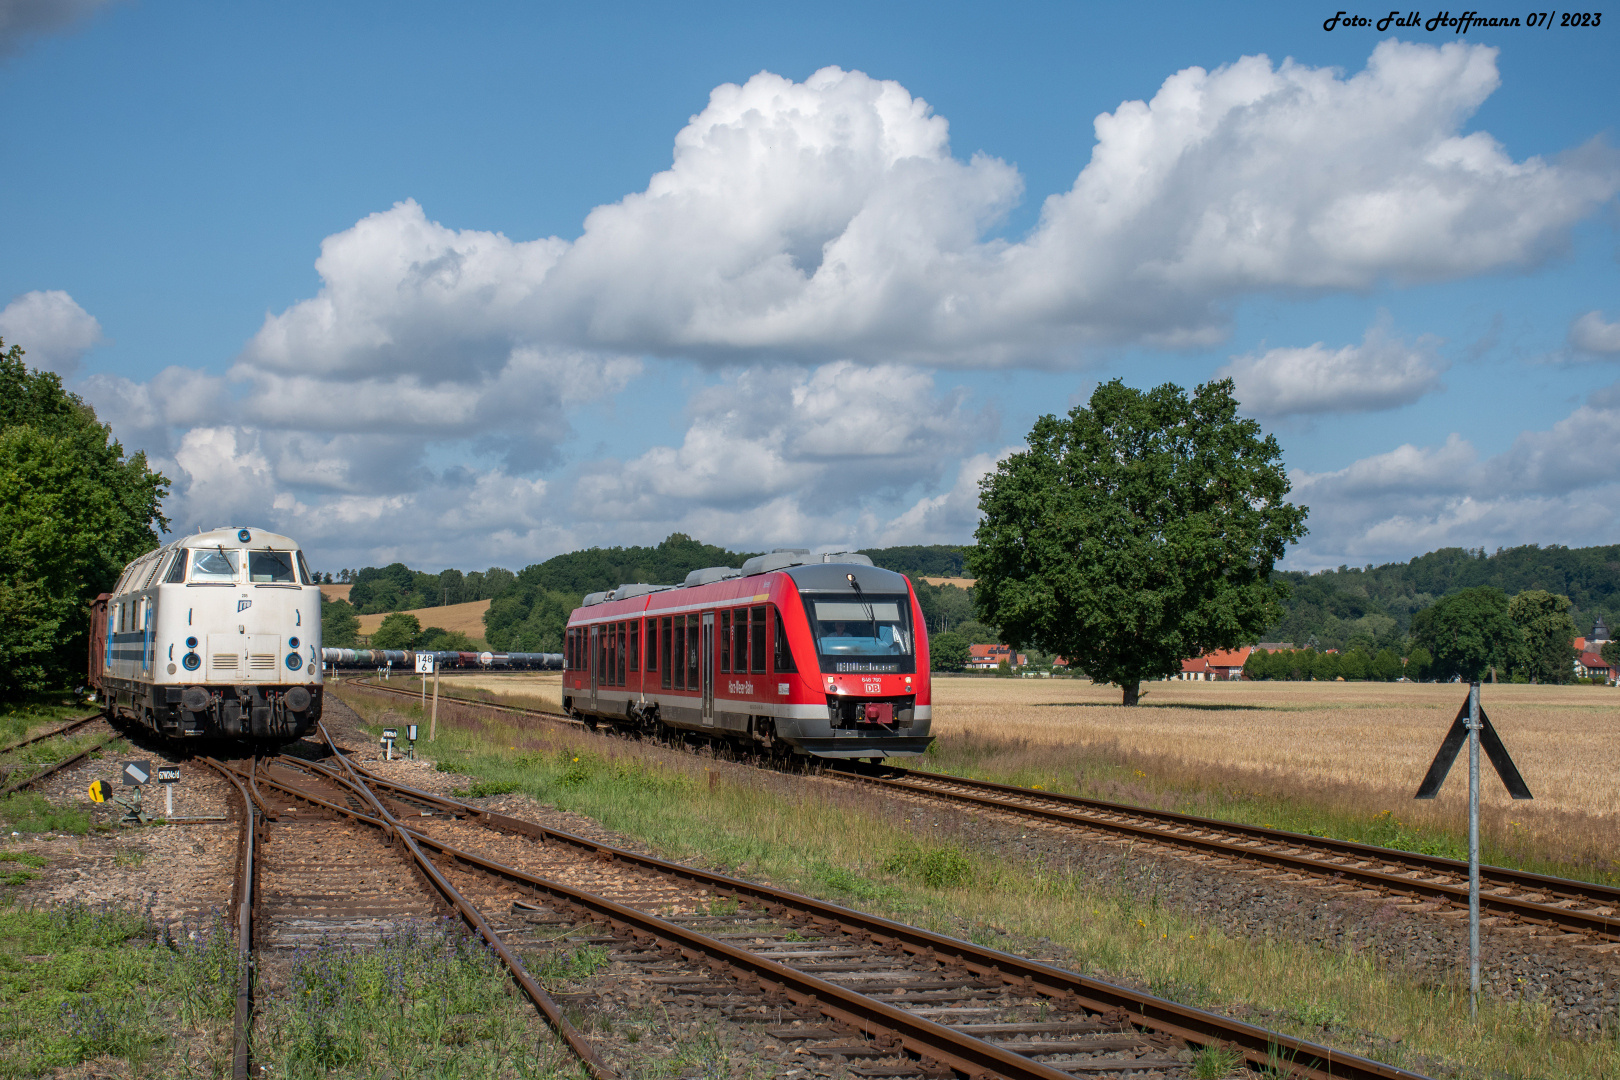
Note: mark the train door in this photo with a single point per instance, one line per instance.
(706, 665)
(595, 661)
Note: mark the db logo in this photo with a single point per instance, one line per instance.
(874, 687)
(243, 605)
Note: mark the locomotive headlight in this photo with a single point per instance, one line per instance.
(191, 660)
(294, 661)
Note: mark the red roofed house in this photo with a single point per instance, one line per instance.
(1589, 662)
(985, 657)
(1219, 666)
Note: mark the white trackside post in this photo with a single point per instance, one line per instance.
(1473, 850)
(433, 724)
(168, 800)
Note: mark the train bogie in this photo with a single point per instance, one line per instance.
(213, 634)
(791, 654)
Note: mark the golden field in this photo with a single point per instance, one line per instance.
(468, 617)
(1340, 753)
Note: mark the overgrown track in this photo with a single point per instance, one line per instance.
(71, 725)
(881, 992)
(1574, 906)
(65, 763)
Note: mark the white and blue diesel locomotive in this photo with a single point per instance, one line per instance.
(216, 634)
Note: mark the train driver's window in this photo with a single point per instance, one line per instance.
(725, 643)
(177, 569)
(784, 655)
(304, 576)
(216, 567)
(756, 632)
(271, 568)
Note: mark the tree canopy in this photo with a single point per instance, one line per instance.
(1140, 530)
(1545, 652)
(73, 511)
(1468, 633)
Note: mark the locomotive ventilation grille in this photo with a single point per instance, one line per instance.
(262, 661)
(223, 662)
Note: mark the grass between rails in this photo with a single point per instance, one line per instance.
(428, 1000)
(852, 846)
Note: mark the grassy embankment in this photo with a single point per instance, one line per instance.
(852, 846)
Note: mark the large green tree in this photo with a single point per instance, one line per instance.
(1136, 532)
(1545, 651)
(1468, 633)
(73, 510)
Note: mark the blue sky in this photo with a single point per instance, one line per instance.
(879, 241)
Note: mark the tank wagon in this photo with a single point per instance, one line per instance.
(792, 654)
(216, 634)
(406, 659)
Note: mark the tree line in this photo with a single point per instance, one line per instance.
(74, 510)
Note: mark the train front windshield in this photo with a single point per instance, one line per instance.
(871, 635)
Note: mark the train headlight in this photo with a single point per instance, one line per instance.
(192, 661)
(243, 535)
(294, 661)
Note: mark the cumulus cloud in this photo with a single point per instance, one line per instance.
(53, 330)
(1590, 334)
(1383, 372)
(1552, 486)
(771, 453)
(23, 20)
(830, 217)
(950, 517)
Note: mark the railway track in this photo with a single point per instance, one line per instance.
(815, 981)
(1572, 906)
(45, 770)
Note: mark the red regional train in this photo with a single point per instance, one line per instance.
(793, 654)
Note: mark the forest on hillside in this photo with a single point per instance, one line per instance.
(1370, 607)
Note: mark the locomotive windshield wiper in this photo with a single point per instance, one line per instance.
(871, 615)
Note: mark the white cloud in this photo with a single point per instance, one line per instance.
(770, 453)
(829, 217)
(1383, 372)
(1591, 334)
(53, 330)
(1552, 486)
(949, 518)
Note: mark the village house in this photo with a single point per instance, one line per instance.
(1218, 666)
(986, 657)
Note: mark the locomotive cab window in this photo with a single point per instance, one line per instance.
(213, 567)
(304, 576)
(271, 568)
(871, 634)
(177, 569)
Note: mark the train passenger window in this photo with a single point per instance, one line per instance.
(177, 569)
(784, 654)
(216, 567)
(725, 642)
(271, 568)
(664, 654)
(622, 656)
(692, 682)
(304, 576)
(756, 633)
(739, 651)
(679, 649)
(652, 644)
(568, 650)
(635, 645)
(602, 639)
